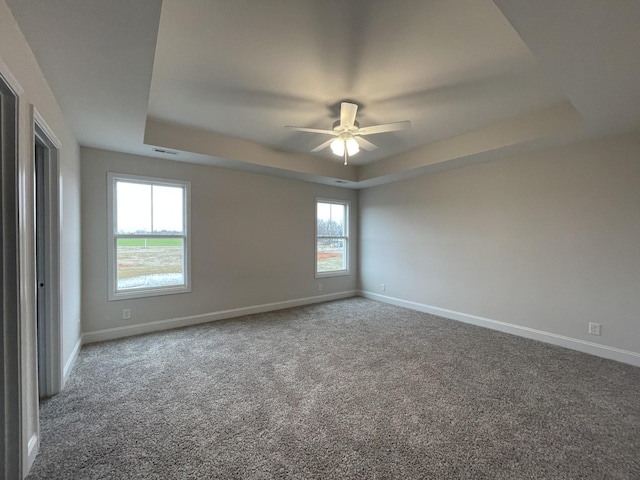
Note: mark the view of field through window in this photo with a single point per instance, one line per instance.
(331, 243)
(150, 240)
(149, 262)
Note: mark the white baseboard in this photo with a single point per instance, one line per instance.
(66, 371)
(130, 330)
(599, 350)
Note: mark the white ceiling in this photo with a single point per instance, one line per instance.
(217, 81)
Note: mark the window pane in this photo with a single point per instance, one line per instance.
(168, 209)
(332, 254)
(134, 208)
(337, 216)
(149, 262)
(331, 219)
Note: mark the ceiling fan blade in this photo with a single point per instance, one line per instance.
(314, 130)
(366, 144)
(348, 113)
(387, 127)
(323, 145)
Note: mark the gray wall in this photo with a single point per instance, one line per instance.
(548, 241)
(252, 240)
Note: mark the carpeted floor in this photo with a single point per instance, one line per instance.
(347, 389)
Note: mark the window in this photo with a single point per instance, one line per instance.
(148, 236)
(332, 238)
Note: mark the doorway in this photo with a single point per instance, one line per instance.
(47, 237)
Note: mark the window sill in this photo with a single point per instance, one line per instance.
(148, 293)
(337, 273)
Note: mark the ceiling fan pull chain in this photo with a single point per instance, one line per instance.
(345, 155)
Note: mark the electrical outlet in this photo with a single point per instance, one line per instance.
(319, 287)
(126, 313)
(594, 328)
(383, 287)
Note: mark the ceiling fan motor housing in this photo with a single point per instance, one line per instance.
(336, 125)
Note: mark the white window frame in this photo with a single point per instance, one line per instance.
(345, 237)
(113, 236)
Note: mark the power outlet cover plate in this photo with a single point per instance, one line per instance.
(594, 328)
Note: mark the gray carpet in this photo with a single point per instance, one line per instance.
(347, 389)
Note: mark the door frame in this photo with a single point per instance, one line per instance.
(11, 447)
(49, 342)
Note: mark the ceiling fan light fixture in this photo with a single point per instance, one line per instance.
(345, 141)
(352, 146)
(337, 147)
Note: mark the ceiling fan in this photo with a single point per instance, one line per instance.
(349, 134)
